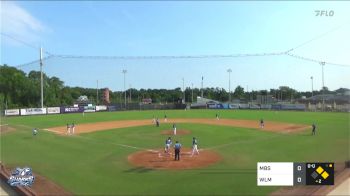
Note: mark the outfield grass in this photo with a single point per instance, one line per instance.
(94, 162)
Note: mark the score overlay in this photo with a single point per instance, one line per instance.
(290, 174)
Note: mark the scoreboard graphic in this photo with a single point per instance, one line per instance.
(291, 174)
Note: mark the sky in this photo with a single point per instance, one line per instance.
(146, 28)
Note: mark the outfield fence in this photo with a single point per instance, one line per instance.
(172, 106)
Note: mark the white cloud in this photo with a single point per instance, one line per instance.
(19, 23)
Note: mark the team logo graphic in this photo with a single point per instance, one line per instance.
(21, 177)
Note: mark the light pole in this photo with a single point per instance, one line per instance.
(97, 92)
(192, 92)
(124, 72)
(312, 86)
(183, 86)
(41, 78)
(130, 93)
(202, 87)
(322, 64)
(229, 84)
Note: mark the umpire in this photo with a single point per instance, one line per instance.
(177, 147)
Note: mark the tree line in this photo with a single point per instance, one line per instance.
(18, 89)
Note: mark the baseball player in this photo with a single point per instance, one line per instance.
(73, 128)
(194, 146)
(154, 120)
(262, 124)
(177, 148)
(68, 129)
(313, 129)
(217, 116)
(168, 143)
(35, 131)
(165, 118)
(174, 128)
(157, 122)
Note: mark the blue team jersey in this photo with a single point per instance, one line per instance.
(168, 141)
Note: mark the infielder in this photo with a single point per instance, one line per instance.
(194, 146)
(157, 122)
(313, 129)
(68, 129)
(217, 116)
(165, 118)
(174, 128)
(35, 131)
(73, 128)
(262, 124)
(177, 148)
(168, 143)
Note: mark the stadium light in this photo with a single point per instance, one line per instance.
(124, 72)
(229, 84)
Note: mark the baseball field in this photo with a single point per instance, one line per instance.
(121, 153)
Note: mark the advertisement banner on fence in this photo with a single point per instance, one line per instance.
(53, 110)
(101, 108)
(12, 112)
(89, 108)
(112, 108)
(33, 111)
(71, 109)
(215, 106)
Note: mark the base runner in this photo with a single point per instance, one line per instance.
(168, 143)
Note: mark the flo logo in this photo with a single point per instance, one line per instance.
(21, 177)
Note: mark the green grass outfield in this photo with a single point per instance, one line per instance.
(94, 163)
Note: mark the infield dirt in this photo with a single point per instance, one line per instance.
(100, 126)
(160, 160)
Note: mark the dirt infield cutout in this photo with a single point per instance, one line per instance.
(101, 126)
(178, 132)
(161, 160)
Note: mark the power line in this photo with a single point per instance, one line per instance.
(318, 37)
(24, 42)
(170, 57)
(34, 62)
(315, 60)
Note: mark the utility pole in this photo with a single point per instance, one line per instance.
(229, 84)
(202, 87)
(124, 72)
(312, 86)
(323, 88)
(41, 78)
(97, 92)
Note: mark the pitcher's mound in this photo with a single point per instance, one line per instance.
(178, 132)
(161, 160)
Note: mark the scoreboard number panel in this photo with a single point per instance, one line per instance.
(291, 174)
